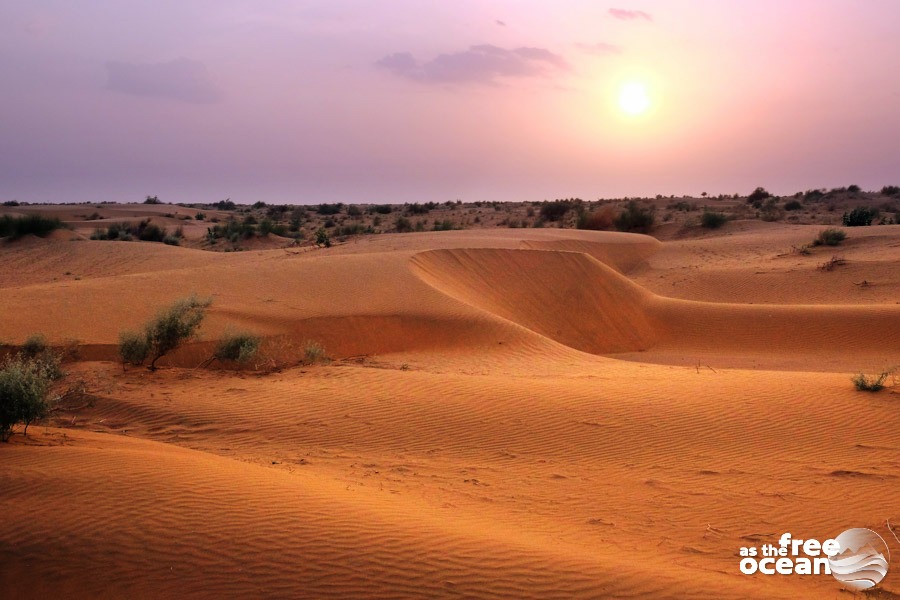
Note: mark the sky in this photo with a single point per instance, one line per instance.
(293, 101)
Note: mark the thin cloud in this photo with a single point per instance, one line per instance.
(479, 64)
(600, 48)
(629, 15)
(182, 79)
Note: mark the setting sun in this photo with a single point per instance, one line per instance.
(633, 98)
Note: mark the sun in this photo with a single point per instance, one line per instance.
(633, 98)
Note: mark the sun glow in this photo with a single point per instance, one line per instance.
(633, 98)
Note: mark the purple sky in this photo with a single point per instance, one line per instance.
(419, 100)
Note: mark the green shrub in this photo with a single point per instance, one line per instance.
(635, 218)
(237, 347)
(403, 225)
(171, 240)
(16, 227)
(24, 388)
(713, 220)
(313, 352)
(860, 217)
(133, 348)
(322, 238)
(170, 328)
(830, 237)
(793, 205)
(35, 345)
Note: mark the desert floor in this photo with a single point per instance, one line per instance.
(510, 413)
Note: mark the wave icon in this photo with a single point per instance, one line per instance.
(862, 561)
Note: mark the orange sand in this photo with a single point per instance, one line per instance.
(510, 414)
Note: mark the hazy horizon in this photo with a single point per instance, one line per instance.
(405, 101)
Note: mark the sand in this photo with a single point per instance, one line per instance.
(508, 414)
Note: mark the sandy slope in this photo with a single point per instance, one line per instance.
(477, 435)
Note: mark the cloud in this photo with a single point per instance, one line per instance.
(479, 64)
(629, 15)
(600, 48)
(182, 79)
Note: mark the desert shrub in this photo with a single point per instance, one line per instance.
(556, 210)
(713, 220)
(167, 331)
(382, 209)
(445, 225)
(354, 211)
(313, 352)
(199, 216)
(24, 388)
(11, 203)
(35, 345)
(16, 227)
(174, 325)
(237, 346)
(38, 351)
(322, 238)
(171, 240)
(635, 218)
(829, 237)
(417, 209)
(793, 205)
(133, 348)
(266, 226)
(601, 219)
(330, 209)
(861, 216)
(152, 200)
(890, 190)
(403, 225)
(226, 204)
(853, 189)
(757, 196)
(873, 384)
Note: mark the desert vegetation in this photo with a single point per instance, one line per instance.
(25, 384)
(169, 329)
(873, 383)
(16, 227)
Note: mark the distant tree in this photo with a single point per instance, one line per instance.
(152, 200)
(757, 196)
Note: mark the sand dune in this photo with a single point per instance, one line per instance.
(478, 434)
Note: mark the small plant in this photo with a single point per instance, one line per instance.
(793, 205)
(24, 389)
(238, 347)
(313, 352)
(831, 263)
(830, 237)
(133, 348)
(873, 384)
(167, 331)
(713, 220)
(35, 345)
(322, 238)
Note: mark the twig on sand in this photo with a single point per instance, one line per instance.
(887, 522)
